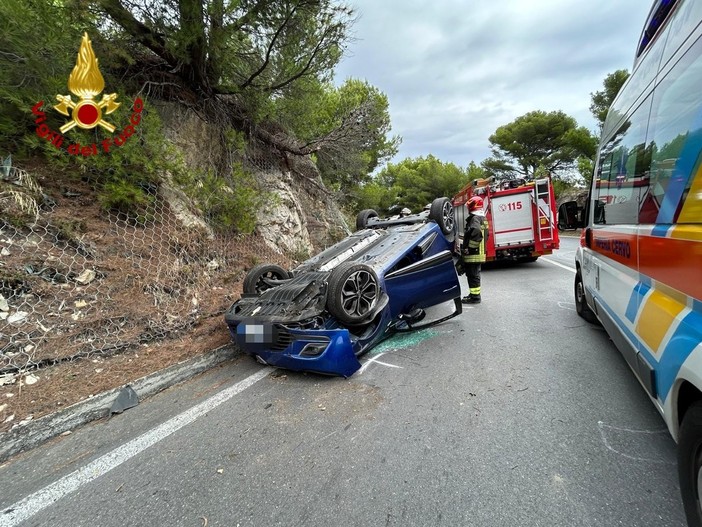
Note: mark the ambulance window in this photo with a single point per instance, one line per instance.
(624, 169)
(676, 130)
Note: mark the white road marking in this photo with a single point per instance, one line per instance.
(375, 360)
(558, 264)
(34, 503)
(631, 433)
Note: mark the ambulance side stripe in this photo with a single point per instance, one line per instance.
(685, 340)
(683, 172)
(673, 262)
(692, 209)
(682, 336)
(635, 300)
(658, 314)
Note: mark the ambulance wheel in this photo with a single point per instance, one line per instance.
(690, 464)
(580, 303)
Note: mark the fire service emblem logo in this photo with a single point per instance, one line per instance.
(86, 82)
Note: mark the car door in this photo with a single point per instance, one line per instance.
(427, 282)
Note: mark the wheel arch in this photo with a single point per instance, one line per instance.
(687, 395)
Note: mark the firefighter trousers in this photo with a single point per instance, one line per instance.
(473, 276)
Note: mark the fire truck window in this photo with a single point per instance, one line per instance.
(675, 131)
(624, 170)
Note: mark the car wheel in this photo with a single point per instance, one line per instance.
(354, 291)
(363, 217)
(442, 213)
(580, 303)
(690, 464)
(263, 277)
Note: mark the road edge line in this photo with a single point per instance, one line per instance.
(36, 432)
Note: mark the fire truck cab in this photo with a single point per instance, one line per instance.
(521, 217)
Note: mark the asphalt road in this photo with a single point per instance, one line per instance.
(516, 413)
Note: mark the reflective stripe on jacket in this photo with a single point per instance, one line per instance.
(474, 237)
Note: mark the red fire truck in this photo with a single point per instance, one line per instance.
(521, 217)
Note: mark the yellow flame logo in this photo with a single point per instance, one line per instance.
(86, 82)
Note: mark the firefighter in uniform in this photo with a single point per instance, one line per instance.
(473, 248)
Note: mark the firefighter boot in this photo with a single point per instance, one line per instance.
(471, 299)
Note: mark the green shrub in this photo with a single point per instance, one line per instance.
(229, 206)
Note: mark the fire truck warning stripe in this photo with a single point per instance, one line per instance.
(513, 230)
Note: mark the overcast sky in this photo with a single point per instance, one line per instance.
(456, 70)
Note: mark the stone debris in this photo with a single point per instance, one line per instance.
(126, 399)
(17, 316)
(8, 378)
(30, 379)
(86, 277)
(4, 306)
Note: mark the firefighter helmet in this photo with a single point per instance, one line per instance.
(475, 203)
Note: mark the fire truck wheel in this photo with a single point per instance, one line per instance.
(580, 303)
(363, 217)
(690, 464)
(262, 277)
(442, 213)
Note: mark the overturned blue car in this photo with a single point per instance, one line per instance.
(331, 309)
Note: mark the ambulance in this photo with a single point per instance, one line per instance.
(639, 264)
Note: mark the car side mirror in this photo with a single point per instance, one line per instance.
(568, 217)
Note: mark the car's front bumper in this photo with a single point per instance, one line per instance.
(326, 351)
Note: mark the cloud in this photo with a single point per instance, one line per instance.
(455, 71)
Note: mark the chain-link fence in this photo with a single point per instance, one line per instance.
(77, 281)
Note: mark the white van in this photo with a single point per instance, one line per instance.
(639, 264)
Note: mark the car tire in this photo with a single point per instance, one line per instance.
(354, 290)
(581, 306)
(257, 280)
(690, 464)
(363, 217)
(441, 211)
